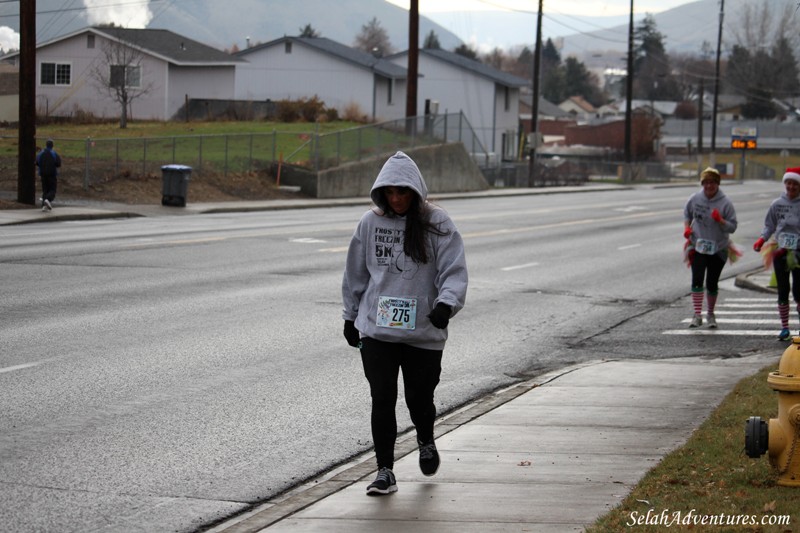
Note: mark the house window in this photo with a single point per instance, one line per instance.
(287, 47)
(55, 74)
(130, 76)
(90, 41)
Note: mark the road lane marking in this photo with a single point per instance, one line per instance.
(582, 222)
(182, 241)
(629, 246)
(19, 367)
(517, 267)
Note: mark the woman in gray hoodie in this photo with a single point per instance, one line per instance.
(405, 278)
(709, 219)
(783, 221)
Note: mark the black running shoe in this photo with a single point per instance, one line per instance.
(428, 458)
(384, 483)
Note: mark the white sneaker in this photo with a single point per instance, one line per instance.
(47, 205)
(697, 321)
(712, 321)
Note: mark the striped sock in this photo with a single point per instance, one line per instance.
(697, 301)
(783, 311)
(711, 303)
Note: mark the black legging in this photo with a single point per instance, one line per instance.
(710, 267)
(421, 370)
(782, 279)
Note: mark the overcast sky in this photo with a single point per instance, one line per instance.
(574, 7)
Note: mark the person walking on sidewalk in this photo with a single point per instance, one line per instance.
(709, 219)
(48, 162)
(405, 277)
(783, 221)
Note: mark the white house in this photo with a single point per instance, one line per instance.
(173, 68)
(489, 98)
(578, 107)
(341, 76)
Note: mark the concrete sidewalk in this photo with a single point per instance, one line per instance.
(549, 455)
(65, 210)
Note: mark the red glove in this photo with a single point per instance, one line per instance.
(687, 232)
(715, 215)
(758, 244)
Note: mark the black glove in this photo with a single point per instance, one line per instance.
(351, 333)
(440, 316)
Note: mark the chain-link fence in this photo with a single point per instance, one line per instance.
(98, 160)
(575, 171)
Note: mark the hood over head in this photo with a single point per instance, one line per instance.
(398, 171)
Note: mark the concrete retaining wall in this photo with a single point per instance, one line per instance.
(445, 168)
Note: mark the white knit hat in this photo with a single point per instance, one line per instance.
(792, 174)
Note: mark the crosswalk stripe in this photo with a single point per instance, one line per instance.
(717, 312)
(771, 321)
(738, 312)
(752, 306)
(742, 332)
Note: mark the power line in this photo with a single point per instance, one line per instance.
(83, 8)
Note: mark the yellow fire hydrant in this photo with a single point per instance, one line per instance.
(781, 436)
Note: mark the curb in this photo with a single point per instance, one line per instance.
(744, 281)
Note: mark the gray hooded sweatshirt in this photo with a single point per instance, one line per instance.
(387, 293)
(697, 213)
(783, 221)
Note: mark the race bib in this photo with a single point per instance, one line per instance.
(705, 247)
(788, 240)
(397, 313)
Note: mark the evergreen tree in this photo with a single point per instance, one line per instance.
(466, 51)
(432, 41)
(653, 77)
(785, 73)
(552, 75)
(309, 31)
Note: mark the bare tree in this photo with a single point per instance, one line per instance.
(373, 39)
(118, 74)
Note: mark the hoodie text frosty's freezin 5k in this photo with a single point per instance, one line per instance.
(378, 270)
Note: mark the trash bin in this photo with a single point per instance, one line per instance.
(175, 184)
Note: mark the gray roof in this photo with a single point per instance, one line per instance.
(169, 46)
(478, 68)
(346, 53)
(164, 44)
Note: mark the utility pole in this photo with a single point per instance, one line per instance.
(537, 54)
(712, 157)
(629, 96)
(700, 125)
(413, 60)
(26, 168)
